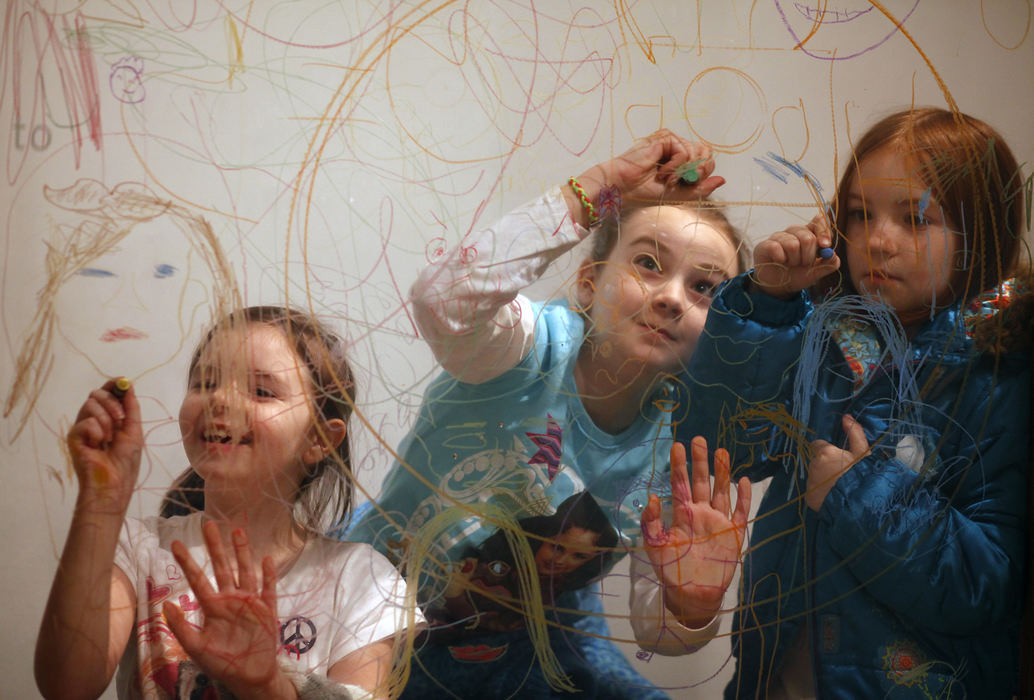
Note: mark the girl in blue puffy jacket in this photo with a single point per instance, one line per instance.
(887, 556)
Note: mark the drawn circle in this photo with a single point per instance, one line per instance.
(725, 108)
(126, 85)
(436, 248)
(1025, 23)
(800, 132)
(298, 634)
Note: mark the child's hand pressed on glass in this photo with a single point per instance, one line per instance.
(696, 556)
(829, 462)
(238, 640)
(105, 444)
(788, 261)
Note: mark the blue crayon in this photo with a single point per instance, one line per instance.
(826, 253)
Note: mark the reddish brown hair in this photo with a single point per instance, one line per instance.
(971, 173)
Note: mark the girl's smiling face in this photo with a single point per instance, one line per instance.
(900, 245)
(648, 300)
(248, 413)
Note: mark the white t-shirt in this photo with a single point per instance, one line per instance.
(336, 598)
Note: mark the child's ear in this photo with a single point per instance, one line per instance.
(585, 286)
(324, 439)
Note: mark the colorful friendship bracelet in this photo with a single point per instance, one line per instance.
(588, 206)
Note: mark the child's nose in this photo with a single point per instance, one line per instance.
(226, 397)
(670, 297)
(881, 236)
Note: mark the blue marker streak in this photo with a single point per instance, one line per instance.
(771, 170)
(95, 272)
(924, 202)
(164, 270)
(797, 170)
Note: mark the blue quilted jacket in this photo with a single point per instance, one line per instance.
(909, 579)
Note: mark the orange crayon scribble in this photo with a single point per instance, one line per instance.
(625, 14)
(236, 50)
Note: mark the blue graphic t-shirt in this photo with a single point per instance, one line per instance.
(517, 454)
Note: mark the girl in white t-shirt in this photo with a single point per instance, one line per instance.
(290, 613)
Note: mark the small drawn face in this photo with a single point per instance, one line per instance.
(836, 30)
(125, 81)
(135, 307)
(567, 552)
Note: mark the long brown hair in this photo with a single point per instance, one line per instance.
(328, 488)
(971, 173)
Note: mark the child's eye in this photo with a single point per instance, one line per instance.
(264, 393)
(918, 220)
(203, 383)
(647, 262)
(705, 288)
(857, 215)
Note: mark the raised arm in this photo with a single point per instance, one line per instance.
(91, 608)
(468, 304)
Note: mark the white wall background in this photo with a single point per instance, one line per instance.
(335, 146)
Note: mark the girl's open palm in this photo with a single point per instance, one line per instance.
(238, 641)
(696, 556)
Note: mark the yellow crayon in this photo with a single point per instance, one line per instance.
(122, 385)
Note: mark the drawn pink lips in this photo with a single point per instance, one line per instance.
(113, 335)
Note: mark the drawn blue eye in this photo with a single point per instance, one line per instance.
(164, 270)
(95, 272)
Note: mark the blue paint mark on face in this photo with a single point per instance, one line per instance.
(164, 270)
(924, 203)
(95, 272)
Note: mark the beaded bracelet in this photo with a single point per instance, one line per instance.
(589, 207)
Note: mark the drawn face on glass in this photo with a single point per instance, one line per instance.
(125, 80)
(135, 307)
(841, 29)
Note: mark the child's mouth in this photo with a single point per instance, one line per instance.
(223, 437)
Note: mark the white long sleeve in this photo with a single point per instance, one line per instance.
(468, 305)
(656, 628)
